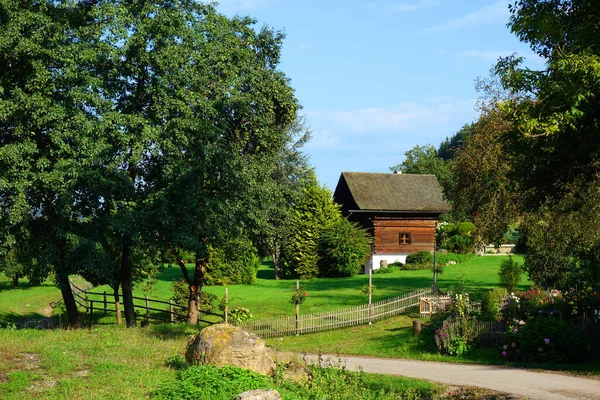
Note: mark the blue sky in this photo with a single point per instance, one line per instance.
(375, 78)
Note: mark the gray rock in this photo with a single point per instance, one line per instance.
(224, 344)
(259, 394)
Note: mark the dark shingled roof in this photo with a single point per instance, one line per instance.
(391, 192)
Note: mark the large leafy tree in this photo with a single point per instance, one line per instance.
(313, 211)
(133, 127)
(544, 143)
(49, 123)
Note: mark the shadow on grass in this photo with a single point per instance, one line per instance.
(28, 321)
(6, 285)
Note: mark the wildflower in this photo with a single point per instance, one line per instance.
(513, 344)
(503, 354)
(539, 311)
(515, 330)
(546, 341)
(521, 322)
(505, 347)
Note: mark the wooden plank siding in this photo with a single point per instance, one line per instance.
(387, 235)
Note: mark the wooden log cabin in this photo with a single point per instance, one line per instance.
(400, 211)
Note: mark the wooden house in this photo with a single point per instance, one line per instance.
(400, 211)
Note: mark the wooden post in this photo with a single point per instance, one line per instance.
(118, 310)
(91, 312)
(370, 292)
(87, 304)
(417, 327)
(147, 310)
(435, 263)
(226, 305)
(105, 311)
(297, 308)
(172, 317)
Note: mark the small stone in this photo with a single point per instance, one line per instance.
(259, 394)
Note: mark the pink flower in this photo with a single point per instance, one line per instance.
(546, 341)
(503, 354)
(505, 347)
(515, 330)
(521, 322)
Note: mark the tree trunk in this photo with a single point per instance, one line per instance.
(117, 303)
(195, 290)
(68, 299)
(277, 261)
(127, 284)
(15, 280)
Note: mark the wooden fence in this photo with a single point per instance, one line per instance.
(350, 316)
(484, 333)
(429, 306)
(103, 302)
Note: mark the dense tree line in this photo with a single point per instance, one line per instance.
(132, 132)
(533, 155)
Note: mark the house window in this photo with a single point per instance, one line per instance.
(404, 238)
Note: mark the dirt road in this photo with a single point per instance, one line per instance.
(519, 382)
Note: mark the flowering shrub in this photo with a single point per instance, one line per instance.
(582, 304)
(455, 338)
(298, 297)
(239, 315)
(545, 340)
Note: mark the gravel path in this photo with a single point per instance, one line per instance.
(518, 382)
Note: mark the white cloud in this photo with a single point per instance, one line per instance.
(413, 6)
(495, 13)
(322, 139)
(306, 46)
(402, 117)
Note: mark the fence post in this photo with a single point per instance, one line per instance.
(147, 310)
(91, 312)
(370, 292)
(226, 305)
(118, 310)
(171, 310)
(105, 302)
(297, 308)
(87, 304)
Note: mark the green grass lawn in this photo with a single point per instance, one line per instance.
(270, 298)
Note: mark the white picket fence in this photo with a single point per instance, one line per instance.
(349, 316)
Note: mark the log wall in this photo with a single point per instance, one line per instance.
(387, 235)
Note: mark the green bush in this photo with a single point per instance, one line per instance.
(208, 382)
(389, 270)
(236, 262)
(181, 295)
(456, 237)
(420, 257)
(510, 274)
(343, 248)
(546, 340)
(313, 211)
(492, 303)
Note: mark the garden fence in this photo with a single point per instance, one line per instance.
(101, 302)
(349, 316)
(484, 333)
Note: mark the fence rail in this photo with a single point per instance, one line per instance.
(484, 333)
(96, 301)
(349, 316)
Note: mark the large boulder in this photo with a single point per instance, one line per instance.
(224, 344)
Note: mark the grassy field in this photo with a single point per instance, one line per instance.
(270, 298)
(107, 362)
